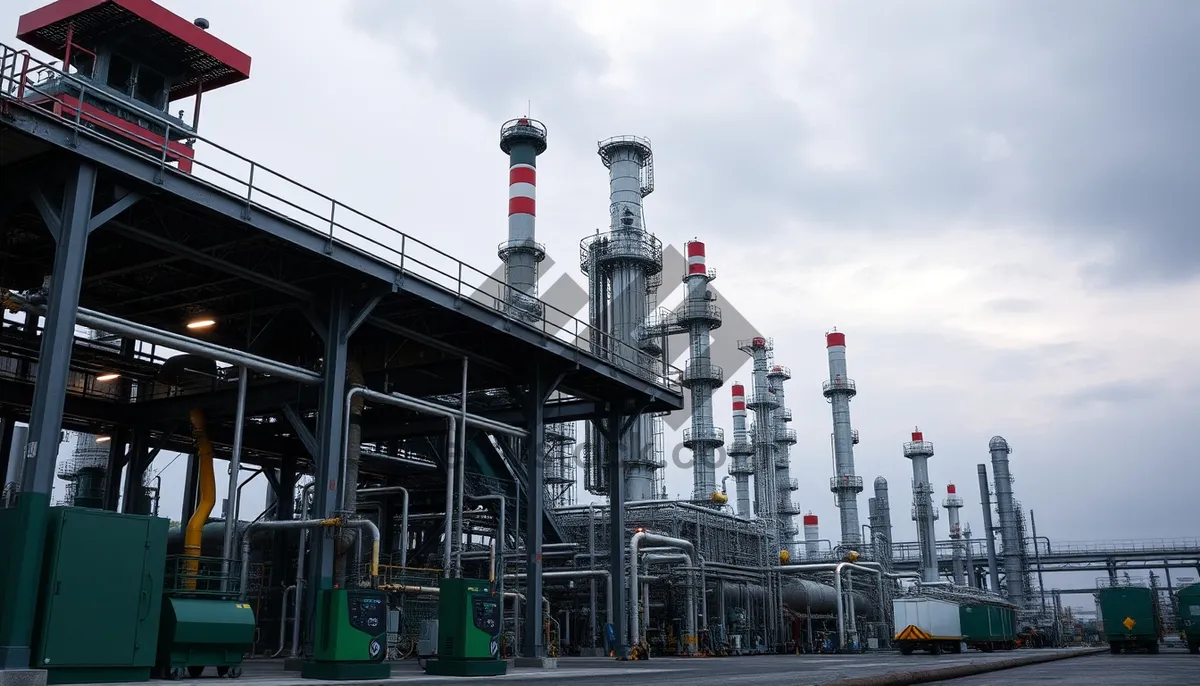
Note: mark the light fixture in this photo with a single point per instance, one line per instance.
(201, 323)
(103, 439)
(108, 376)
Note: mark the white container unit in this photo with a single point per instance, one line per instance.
(935, 619)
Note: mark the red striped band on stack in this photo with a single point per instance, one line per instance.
(739, 399)
(695, 258)
(522, 182)
(810, 520)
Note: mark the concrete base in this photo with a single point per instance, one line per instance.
(593, 652)
(536, 662)
(346, 671)
(22, 677)
(466, 667)
(293, 664)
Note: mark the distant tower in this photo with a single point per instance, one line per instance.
(924, 513)
(884, 511)
(699, 316)
(812, 537)
(523, 140)
(1010, 539)
(740, 451)
(844, 485)
(624, 268)
(763, 402)
(953, 503)
(785, 438)
(85, 472)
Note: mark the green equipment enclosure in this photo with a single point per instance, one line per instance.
(98, 603)
(204, 632)
(468, 630)
(1189, 616)
(1131, 618)
(987, 626)
(351, 635)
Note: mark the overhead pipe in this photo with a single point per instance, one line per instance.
(387, 490)
(304, 524)
(234, 491)
(208, 497)
(451, 417)
(579, 574)
(174, 341)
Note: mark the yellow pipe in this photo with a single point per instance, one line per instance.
(208, 498)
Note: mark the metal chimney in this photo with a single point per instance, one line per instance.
(924, 513)
(1010, 538)
(839, 389)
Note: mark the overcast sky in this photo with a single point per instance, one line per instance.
(997, 202)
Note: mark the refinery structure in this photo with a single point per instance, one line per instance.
(433, 437)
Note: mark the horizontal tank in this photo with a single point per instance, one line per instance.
(800, 595)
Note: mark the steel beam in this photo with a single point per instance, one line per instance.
(18, 597)
(534, 492)
(616, 530)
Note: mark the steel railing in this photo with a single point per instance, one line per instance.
(262, 189)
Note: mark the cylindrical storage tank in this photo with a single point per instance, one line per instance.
(799, 595)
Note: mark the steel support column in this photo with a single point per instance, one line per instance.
(7, 426)
(534, 501)
(616, 530)
(18, 592)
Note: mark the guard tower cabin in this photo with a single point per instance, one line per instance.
(124, 63)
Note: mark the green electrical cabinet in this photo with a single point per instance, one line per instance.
(204, 632)
(1189, 616)
(350, 639)
(468, 630)
(100, 596)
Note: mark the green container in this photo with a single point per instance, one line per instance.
(468, 630)
(351, 635)
(988, 626)
(1189, 615)
(102, 583)
(204, 632)
(1131, 618)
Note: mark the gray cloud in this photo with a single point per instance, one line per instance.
(1070, 118)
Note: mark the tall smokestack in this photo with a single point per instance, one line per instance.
(812, 537)
(1009, 534)
(953, 503)
(620, 264)
(522, 140)
(785, 438)
(763, 403)
(924, 513)
(699, 316)
(740, 451)
(884, 510)
(989, 531)
(844, 485)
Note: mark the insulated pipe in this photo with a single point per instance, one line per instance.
(208, 497)
(385, 490)
(234, 491)
(174, 341)
(579, 574)
(500, 539)
(283, 620)
(418, 405)
(681, 544)
(989, 533)
(461, 477)
(308, 524)
(304, 493)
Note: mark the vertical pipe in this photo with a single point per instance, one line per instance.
(233, 493)
(462, 464)
(448, 521)
(845, 485)
(883, 506)
(1038, 560)
(592, 567)
(989, 532)
(1009, 530)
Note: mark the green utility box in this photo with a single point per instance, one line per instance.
(101, 588)
(468, 630)
(1131, 618)
(204, 632)
(1189, 616)
(988, 626)
(351, 635)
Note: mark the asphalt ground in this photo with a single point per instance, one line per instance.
(1171, 667)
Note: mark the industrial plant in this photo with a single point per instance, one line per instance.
(458, 473)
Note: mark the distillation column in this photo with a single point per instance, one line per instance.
(953, 503)
(619, 264)
(699, 316)
(785, 438)
(763, 403)
(812, 538)
(884, 511)
(924, 513)
(844, 484)
(522, 140)
(740, 452)
(1009, 534)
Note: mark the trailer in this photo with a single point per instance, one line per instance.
(1131, 618)
(930, 624)
(988, 626)
(1189, 616)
